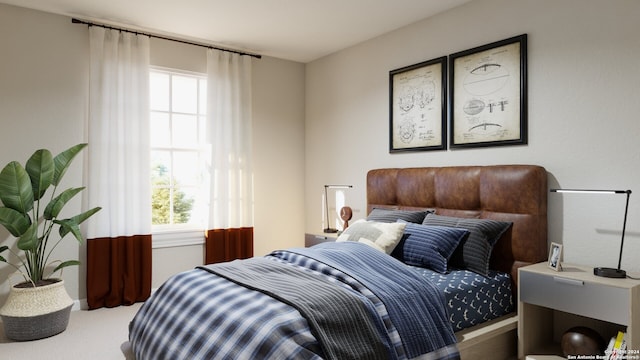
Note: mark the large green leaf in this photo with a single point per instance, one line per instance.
(72, 225)
(69, 226)
(85, 215)
(15, 222)
(65, 264)
(29, 240)
(63, 160)
(55, 206)
(15, 188)
(41, 169)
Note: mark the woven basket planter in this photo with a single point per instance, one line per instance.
(36, 313)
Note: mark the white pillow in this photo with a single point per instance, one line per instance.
(381, 236)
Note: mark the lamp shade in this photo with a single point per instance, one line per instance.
(328, 228)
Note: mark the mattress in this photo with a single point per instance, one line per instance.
(472, 298)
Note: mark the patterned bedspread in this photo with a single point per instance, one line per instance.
(200, 315)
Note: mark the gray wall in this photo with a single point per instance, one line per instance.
(584, 85)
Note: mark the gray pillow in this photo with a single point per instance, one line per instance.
(388, 216)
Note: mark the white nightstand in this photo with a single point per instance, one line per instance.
(551, 302)
(311, 239)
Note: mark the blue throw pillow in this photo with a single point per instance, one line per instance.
(430, 246)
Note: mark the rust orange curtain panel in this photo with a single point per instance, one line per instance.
(228, 244)
(118, 169)
(119, 271)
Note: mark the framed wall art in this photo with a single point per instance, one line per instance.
(488, 94)
(417, 107)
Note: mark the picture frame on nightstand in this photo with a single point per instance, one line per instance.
(555, 256)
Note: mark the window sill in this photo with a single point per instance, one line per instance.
(174, 238)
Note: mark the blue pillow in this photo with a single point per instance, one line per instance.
(430, 246)
(475, 253)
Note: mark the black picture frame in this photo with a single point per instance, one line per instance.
(417, 107)
(488, 94)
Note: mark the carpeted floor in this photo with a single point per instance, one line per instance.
(96, 335)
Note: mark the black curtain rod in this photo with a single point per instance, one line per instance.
(78, 21)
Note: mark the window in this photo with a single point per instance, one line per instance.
(178, 114)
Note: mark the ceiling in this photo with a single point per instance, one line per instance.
(298, 30)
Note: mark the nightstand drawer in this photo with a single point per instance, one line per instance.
(580, 297)
(315, 239)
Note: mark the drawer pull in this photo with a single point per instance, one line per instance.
(566, 281)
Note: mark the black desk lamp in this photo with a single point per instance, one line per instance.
(329, 229)
(603, 271)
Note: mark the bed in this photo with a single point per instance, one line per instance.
(514, 193)
(350, 299)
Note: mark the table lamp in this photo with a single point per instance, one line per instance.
(604, 271)
(329, 229)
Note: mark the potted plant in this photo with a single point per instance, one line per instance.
(39, 306)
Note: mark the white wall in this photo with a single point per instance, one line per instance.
(583, 120)
(43, 103)
(278, 132)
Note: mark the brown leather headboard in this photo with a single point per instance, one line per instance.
(516, 193)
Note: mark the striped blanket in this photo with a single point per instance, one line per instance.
(338, 318)
(212, 313)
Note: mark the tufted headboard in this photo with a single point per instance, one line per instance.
(515, 193)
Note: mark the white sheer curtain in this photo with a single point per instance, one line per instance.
(229, 133)
(119, 144)
(118, 170)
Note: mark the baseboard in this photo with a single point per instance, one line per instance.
(82, 304)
